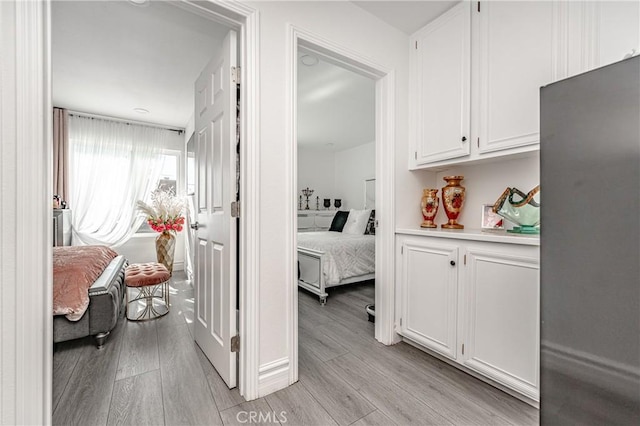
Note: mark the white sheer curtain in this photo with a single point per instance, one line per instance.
(112, 165)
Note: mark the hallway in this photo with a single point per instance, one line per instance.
(153, 373)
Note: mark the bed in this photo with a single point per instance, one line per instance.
(88, 289)
(328, 259)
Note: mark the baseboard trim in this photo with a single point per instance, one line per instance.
(602, 372)
(273, 376)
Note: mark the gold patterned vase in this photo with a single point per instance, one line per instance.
(453, 199)
(165, 248)
(429, 205)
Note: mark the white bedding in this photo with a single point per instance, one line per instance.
(346, 255)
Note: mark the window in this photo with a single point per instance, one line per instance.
(169, 179)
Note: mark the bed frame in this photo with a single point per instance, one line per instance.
(105, 304)
(311, 278)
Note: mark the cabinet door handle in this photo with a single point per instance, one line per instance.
(453, 263)
(464, 139)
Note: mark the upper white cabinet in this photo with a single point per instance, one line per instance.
(598, 33)
(514, 48)
(441, 77)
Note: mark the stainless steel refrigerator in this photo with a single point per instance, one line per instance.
(590, 247)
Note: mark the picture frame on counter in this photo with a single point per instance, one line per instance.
(491, 220)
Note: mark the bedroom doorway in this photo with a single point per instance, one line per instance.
(342, 203)
(241, 20)
(336, 179)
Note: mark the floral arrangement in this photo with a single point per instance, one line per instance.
(165, 213)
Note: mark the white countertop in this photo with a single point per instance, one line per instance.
(497, 236)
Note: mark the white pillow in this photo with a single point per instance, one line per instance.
(356, 222)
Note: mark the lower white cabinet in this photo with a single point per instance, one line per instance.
(429, 304)
(501, 316)
(474, 302)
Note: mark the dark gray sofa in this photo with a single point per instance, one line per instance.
(105, 304)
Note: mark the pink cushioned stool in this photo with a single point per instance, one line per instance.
(152, 282)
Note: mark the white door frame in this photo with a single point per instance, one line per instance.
(26, 177)
(25, 99)
(385, 204)
(245, 20)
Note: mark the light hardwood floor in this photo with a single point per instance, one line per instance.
(153, 373)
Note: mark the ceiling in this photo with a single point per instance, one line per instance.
(111, 57)
(336, 107)
(407, 16)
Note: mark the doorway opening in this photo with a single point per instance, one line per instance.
(374, 184)
(230, 17)
(336, 205)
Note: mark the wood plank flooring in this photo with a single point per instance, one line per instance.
(153, 373)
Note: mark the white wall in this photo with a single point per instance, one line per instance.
(352, 167)
(347, 25)
(316, 170)
(336, 174)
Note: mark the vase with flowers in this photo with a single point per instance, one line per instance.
(166, 216)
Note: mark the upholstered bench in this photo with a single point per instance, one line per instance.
(151, 280)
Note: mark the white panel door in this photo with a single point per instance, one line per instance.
(502, 318)
(516, 57)
(441, 73)
(215, 248)
(429, 282)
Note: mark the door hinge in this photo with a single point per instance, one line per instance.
(416, 44)
(400, 322)
(401, 249)
(415, 155)
(478, 6)
(376, 224)
(235, 343)
(478, 142)
(463, 349)
(465, 259)
(235, 209)
(235, 74)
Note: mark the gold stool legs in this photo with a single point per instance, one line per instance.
(150, 306)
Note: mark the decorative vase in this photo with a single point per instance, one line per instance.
(337, 203)
(429, 205)
(453, 199)
(327, 203)
(165, 248)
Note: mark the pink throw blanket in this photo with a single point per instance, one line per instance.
(75, 269)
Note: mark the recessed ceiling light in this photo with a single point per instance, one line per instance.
(139, 2)
(309, 60)
(141, 110)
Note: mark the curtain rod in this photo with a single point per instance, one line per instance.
(122, 120)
